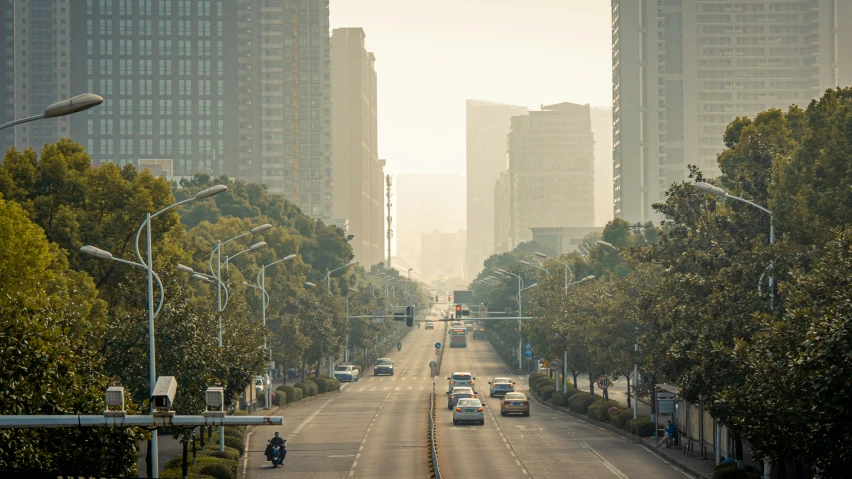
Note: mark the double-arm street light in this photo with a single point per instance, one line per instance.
(61, 108)
(567, 269)
(328, 275)
(520, 313)
(148, 265)
(527, 263)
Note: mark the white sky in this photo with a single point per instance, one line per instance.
(433, 55)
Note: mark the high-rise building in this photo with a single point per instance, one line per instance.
(551, 170)
(442, 254)
(502, 225)
(425, 203)
(487, 125)
(7, 60)
(683, 70)
(161, 68)
(602, 131)
(284, 93)
(358, 191)
(37, 52)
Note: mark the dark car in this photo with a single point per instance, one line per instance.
(459, 393)
(383, 366)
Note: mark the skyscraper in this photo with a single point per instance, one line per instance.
(358, 193)
(284, 92)
(602, 130)
(37, 51)
(551, 170)
(161, 68)
(487, 126)
(683, 70)
(7, 60)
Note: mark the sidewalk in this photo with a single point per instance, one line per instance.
(690, 462)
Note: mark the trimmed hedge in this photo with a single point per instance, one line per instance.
(233, 433)
(731, 471)
(619, 418)
(205, 468)
(558, 399)
(538, 383)
(581, 401)
(289, 393)
(322, 385)
(236, 444)
(219, 471)
(280, 398)
(308, 387)
(599, 410)
(641, 426)
(546, 392)
(333, 384)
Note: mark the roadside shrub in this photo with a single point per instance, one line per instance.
(236, 428)
(641, 426)
(229, 453)
(619, 418)
(558, 398)
(298, 394)
(594, 410)
(599, 410)
(288, 393)
(219, 471)
(535, 376)
(177, 473)
(731, 471)
(333, 384)
(572, 390)
(280, 398)
(577, 402)
(540, 382)
(233, 433)
(236, 444)
(322, 385)
(546, 392)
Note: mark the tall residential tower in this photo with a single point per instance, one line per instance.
(683, 70)
(359, 192)
(487, 126)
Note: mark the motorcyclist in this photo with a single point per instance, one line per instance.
(276, 441)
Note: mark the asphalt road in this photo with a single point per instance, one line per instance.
(547, 444)
(376, 427)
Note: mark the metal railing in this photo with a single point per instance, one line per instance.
(435, 469)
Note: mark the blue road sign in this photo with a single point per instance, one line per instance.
(437, 345)
(528, 346)
(528, 354)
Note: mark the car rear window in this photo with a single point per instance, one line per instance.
(462, 377)
(469, 402)
(343, 368)
(462, 391)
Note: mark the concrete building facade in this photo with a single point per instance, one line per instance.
(36, 39)
(551, 170)
(284, 91)
(359, 195)
(502, 223)
(683, 70)
(162, 70)
(602, 130)
(487, 124)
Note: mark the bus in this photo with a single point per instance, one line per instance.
(458, 337)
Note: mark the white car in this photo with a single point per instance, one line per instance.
(259, 384)
(469, 410)
(461, 379)
(346, 372)
(429, 325)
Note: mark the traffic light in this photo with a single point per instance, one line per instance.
(409, 316)
(436, 298)
(458, 311)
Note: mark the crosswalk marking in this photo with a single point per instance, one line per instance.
(409, 388)
(372, 389)
(385, 388)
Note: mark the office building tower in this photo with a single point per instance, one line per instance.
(161, 68)
(551, 170)
(602, 131)
(487, 124)
(36, 70)
(500, 192)
(442, 254)
(425, 203)
(284, 93)
(7, 60)
(683, 70)
(358, 191)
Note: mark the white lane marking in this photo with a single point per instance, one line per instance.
(306, 421)
(402, 378)
(372, 389)
(415, 378)
(606, 463)
(666, 462)
(393, 378)
(397, 388)
(385, 388)
(409, 388)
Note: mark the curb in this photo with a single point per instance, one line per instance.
(633, 438)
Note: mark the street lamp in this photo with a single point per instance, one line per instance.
(310, 285)
(715, 190)
(527, 263)
(61, 108)
(606, 245)
(328, 275)
(148, 265)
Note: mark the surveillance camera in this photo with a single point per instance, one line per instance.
(164, 393)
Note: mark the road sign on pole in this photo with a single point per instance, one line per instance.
(604, 382)
(437, 345)
(528, 346)
(483, 310)
(528, 353)
(554, 365)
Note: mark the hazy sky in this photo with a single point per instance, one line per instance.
(431, 56)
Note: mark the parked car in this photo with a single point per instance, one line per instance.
(501, 386)
(259, 384)
(346, 372)
(459, 393)
(383, 366)
(469, 410)
(515, 403)
(459, 379)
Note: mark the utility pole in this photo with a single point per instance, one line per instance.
(390, 218)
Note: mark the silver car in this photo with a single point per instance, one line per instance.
(501, 386)
(469, 410)
(461, 379)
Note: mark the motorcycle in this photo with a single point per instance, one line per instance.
(399, 346)
(277, 453)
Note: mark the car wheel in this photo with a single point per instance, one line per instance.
(455, 423)
(449, 407)
(526, 414)
(502, 413)
(482, 422)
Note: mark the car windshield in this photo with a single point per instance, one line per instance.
(461, 377)
(515, 396)
(384, 361)
(343, 368)
(469, 402)
(458, 391)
